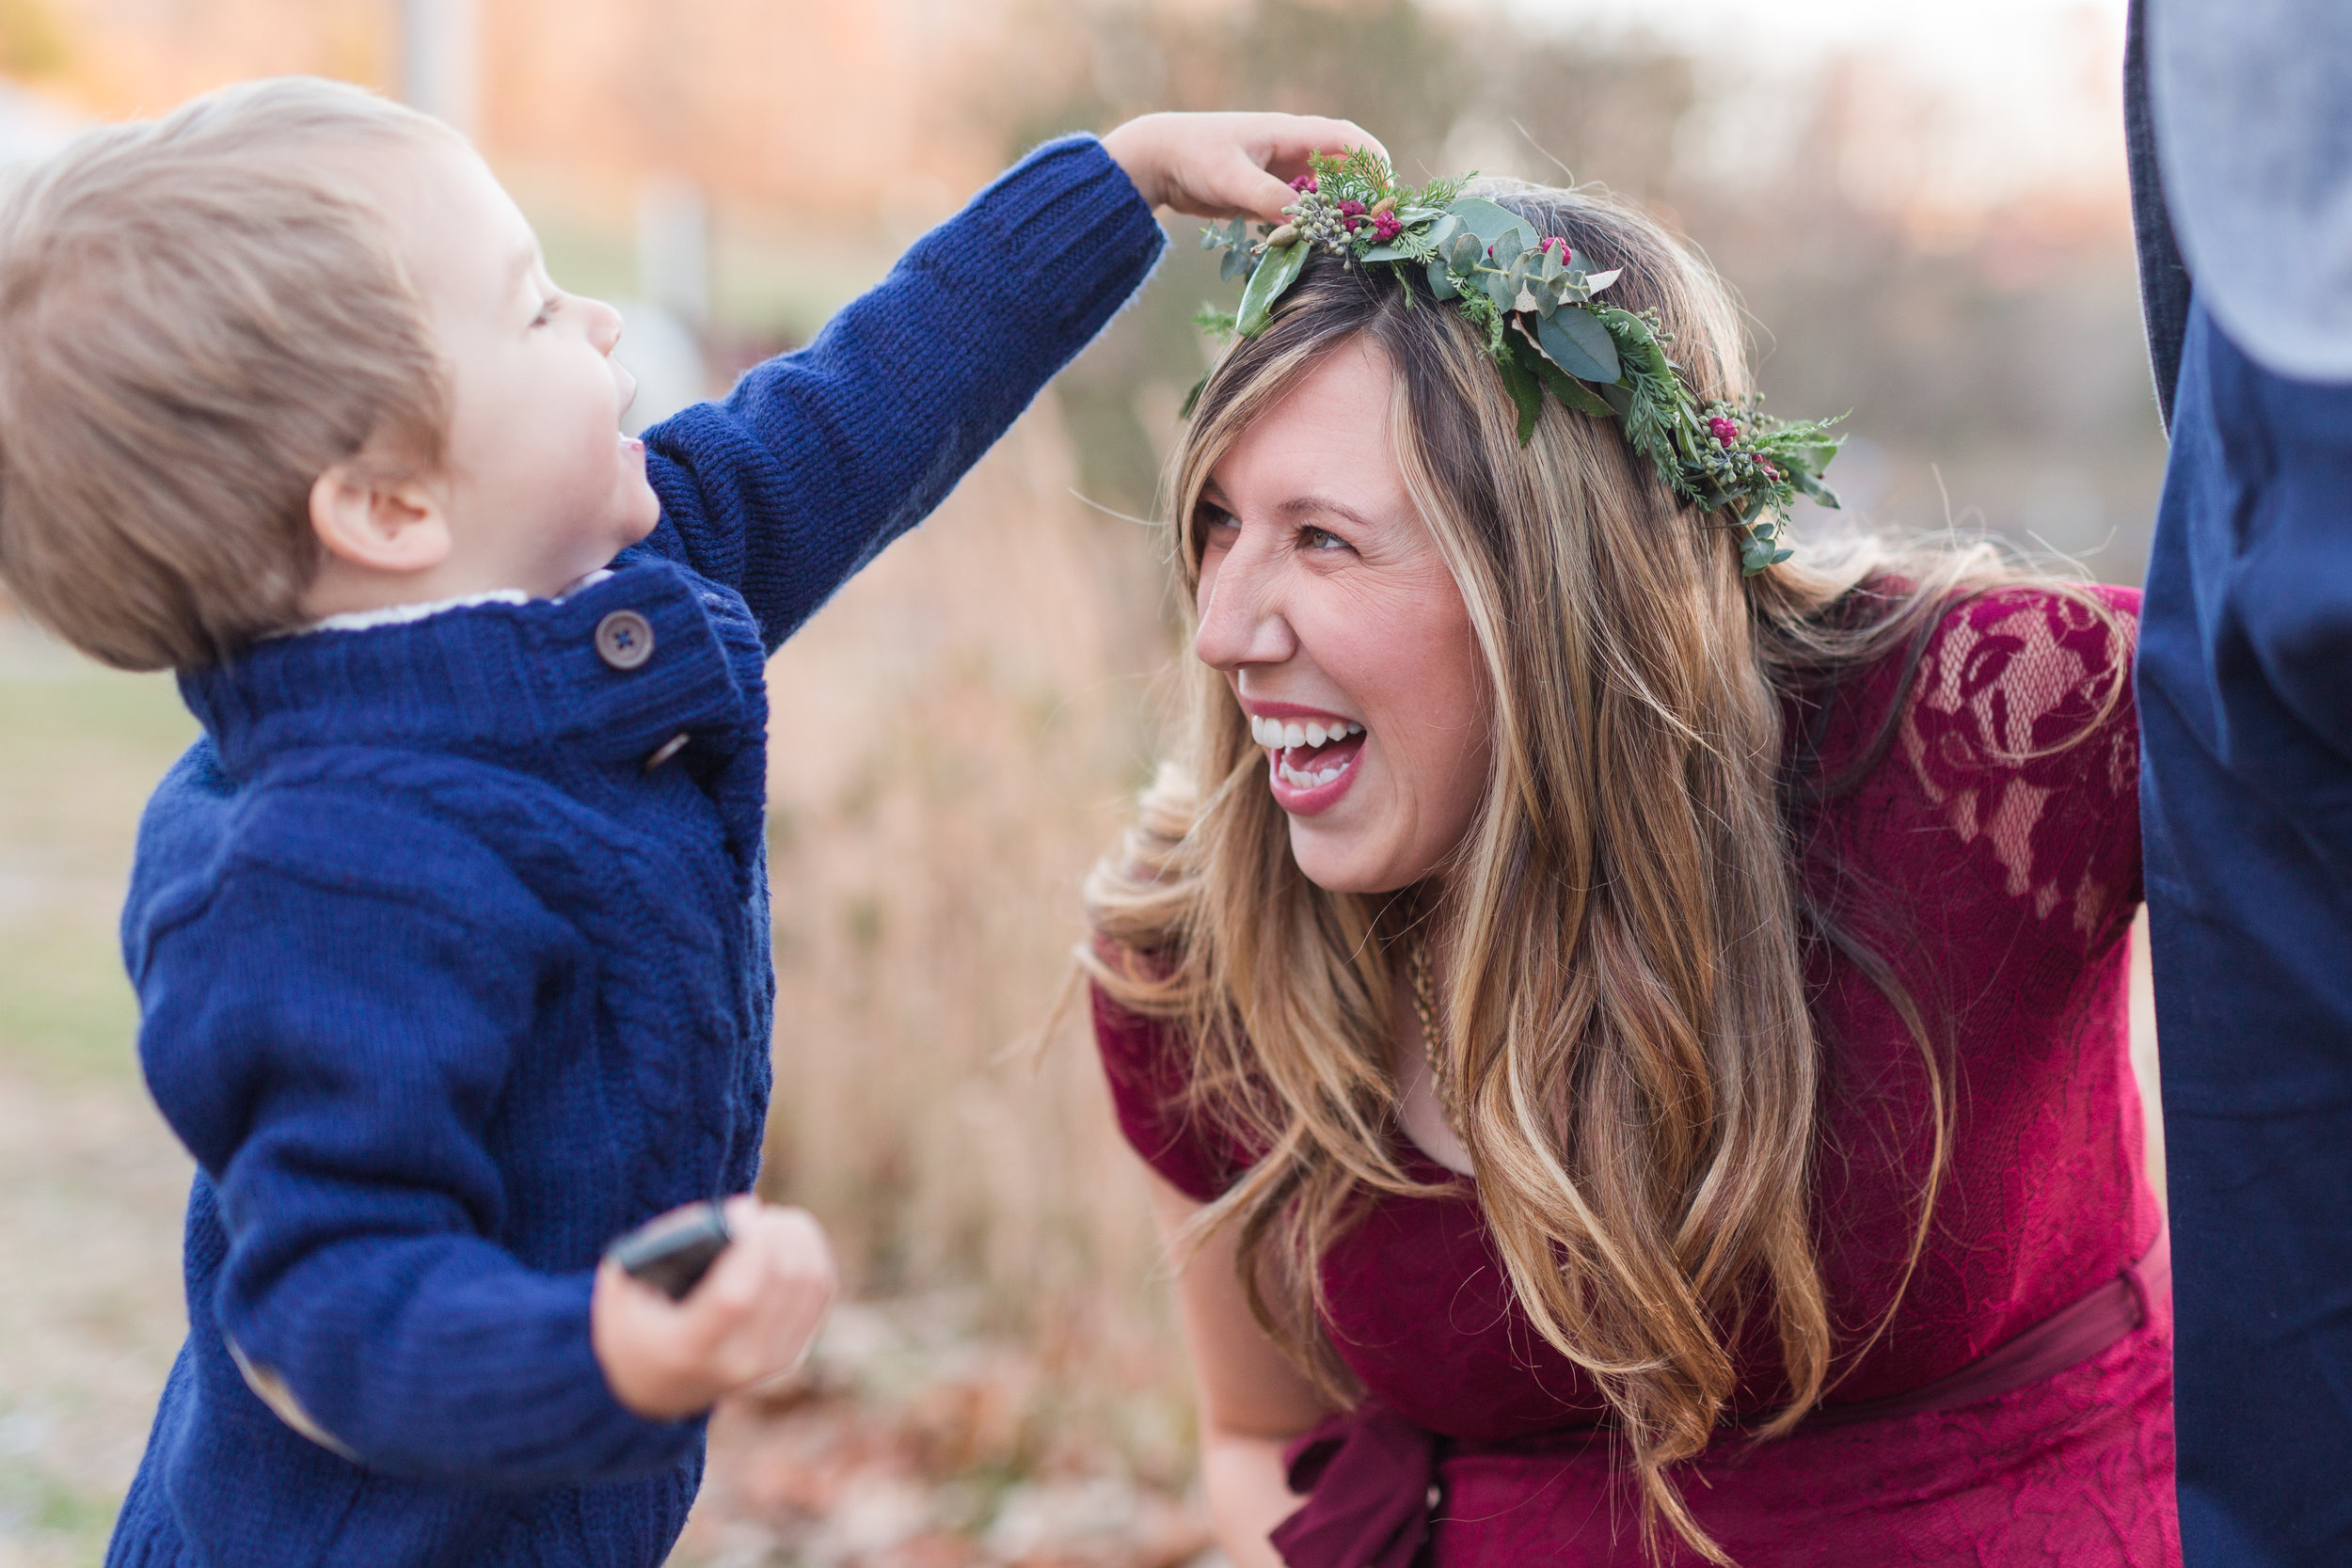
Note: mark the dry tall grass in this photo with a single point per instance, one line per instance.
(954, 740)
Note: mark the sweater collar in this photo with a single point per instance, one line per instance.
(500, 680)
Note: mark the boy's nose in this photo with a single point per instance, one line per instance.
(604, 325)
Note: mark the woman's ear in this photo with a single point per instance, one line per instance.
(361, 517)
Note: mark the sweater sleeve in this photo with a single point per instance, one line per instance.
(334, 1055)
(820, 458)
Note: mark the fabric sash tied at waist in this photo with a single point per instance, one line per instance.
(1370, 1475)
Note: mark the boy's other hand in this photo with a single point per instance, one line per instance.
(1215, 166)
(752, 1318)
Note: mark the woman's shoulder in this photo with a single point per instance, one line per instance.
(1147, 1065)
(2008, 723)
(2025, 680)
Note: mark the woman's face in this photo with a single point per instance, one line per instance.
(1327, 605)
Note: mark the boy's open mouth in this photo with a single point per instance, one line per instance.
(1309, 753)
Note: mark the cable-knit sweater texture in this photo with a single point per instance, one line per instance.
(444, 988)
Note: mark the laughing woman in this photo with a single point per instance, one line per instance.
(1629, 1026)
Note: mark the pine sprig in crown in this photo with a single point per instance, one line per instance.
(1536, 301)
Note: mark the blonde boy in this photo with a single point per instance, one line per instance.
(451, 933)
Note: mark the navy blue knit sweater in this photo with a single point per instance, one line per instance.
(444, 989)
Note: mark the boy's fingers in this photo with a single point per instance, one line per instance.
(1295, 137)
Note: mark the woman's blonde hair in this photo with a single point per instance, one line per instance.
(1624, 925)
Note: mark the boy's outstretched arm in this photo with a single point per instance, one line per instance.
(820, 457)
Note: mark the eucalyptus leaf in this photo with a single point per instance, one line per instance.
(1468, 250)
(1509, 248)
(1579, 345)
(1233, 264)
(1276, 272)
(1484, 219)
(1413, 216)
(1569, 390)
(1525, 391)
(1440, 285)
(1499, 288)
(1600, 281)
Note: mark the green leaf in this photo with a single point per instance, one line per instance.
(1215, 322)
(1440, 284)
(1192, 399)
(1570, 391)
(1465, 252)
(1579, 345)
(1276, 271)
(1485, 219)
(1499, 289)
(1813, 487)
(1815, 455)
(1525, 391)
(1233, 264)
(1436, 236)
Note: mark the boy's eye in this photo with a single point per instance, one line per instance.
(547, 308)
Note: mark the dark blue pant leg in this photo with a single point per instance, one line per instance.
(2245, 700)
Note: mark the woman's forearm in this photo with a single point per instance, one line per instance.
(1243, 1478)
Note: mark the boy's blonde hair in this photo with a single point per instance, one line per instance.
(199, 316)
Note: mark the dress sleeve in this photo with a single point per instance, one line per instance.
(1143, 1060)
(2022, 732)
(820, 458)
(335, 1057)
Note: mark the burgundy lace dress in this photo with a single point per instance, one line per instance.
(2018, 1408)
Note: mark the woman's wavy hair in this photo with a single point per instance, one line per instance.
(1624, 926)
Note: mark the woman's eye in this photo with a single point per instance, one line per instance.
(1314, 538)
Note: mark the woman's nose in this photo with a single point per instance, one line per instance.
(1242, 619)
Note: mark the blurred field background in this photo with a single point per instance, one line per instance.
(1924, 211)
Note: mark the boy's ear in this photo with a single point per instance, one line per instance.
(384, 525)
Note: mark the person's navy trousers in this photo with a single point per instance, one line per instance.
(2246, 703)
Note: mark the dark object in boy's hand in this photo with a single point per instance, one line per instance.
(672, 1253)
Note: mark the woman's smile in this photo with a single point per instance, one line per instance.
(1312, 754)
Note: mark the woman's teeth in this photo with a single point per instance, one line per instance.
(1280, 733)
(1292, 737)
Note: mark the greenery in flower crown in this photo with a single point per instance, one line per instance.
(1535, 302)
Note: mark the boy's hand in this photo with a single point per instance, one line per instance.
(1214, 166)
(752, 1318)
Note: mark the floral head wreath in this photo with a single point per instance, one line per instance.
(1534, 298)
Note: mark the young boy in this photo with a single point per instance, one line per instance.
(450, 935)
